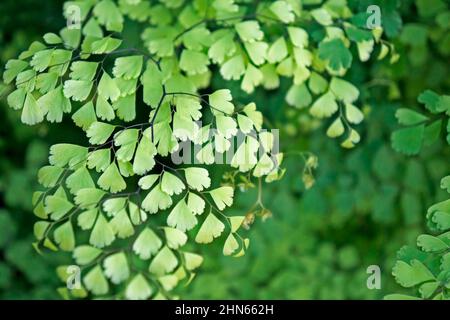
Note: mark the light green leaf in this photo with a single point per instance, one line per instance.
(156, 199)
(99, 132)
(77, 90)
(96, 282)
(221, 100)
(102, 235)
(116, 267)
(164, 262)
(170, 184)
(194, 62)
(107, 88)
(65, 237)
(195, 203)
(147, 244)
(85, 254)
(175, 238)
(111, 179)
(192, 260)
(128, 67)
(31, 113)
(83, 70)
(336, 129)
(181, 217)
(344, 90)
(409, 275)
(325, 106)
(283, 10)
(138, 288)
(211, 228)
(230, 246)
(249, 31)
(85, 116)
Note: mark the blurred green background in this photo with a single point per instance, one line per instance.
(365, 204)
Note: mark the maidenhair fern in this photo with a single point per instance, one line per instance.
(126, 203)
(427, 267)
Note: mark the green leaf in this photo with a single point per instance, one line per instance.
(170, 184)
(322, 16)
(298, 36)
(96, 282)
(277, 51)
(41, 60)
(83, 70)
(409, 117)
(79, 179)
(122, 225)
(99, 159)
(431, 244)
(222, 196)
(156, 199)
(109, 15)
(87, 219)
(230, 246)
(197, 178)
(104, 110)
(85, 254)
(107, 88)
(116, 267)
(353, 114)
(337, 55)
(299, 96)
(221, 100)
(249, 31)
(181, 217)
(138, 288)
(195, 203)
(104, 45)
(48, 176)
(128, 67)
(57, 206)
(111, 179)
(31, 113)
(257, 51)
(211, 228)
(194, 62)
(146, 244)
(16, 99)
(77, 90)
(102, 235)
(13, 68)
(56, 104)
(223, 48)
(63, 154)
(233, 68)
(336, 129)
(192, 260)
(88, 197)
(99, 132)
(164, 262)
(324, 106)
(283, 10)
(85, 116)
(152, 83)
(52, 38)
(408, 140)
(236, 222)
(344, 90)
(175, 238)
(65, 237)
(409, 275)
